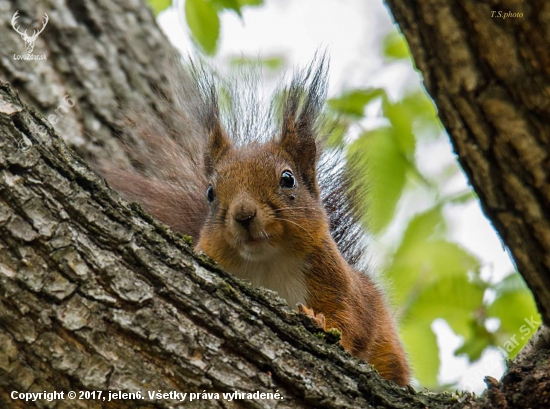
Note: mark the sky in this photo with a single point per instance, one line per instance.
(352, 31)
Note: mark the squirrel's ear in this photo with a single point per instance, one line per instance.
(218, 144)
(299, 142)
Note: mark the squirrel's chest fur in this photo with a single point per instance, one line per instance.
(284, 275)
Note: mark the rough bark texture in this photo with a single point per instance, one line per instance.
(94, 295)
(105, 55)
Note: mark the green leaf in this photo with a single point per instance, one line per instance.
(443, 294)
(271, 63)
(423, 112)
(419, 264)
(474, 345)
(395, 47)
(353, 103)
(401, 121)
(515, 308)
(444, 257)
(423, 226)
(460, 198)
(384, 177)
(204, 24)
(420, 344)
(420, 104)
(457, 299)
(512, 283)
(159, 5)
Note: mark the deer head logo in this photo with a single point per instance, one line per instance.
(29, 40)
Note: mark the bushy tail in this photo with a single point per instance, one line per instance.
(166, 171)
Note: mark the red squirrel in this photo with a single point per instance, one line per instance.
(249, 185)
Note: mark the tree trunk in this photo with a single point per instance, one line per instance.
(95, 295)
(104, 55)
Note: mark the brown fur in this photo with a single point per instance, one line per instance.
(257, 228)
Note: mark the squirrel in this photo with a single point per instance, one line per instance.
(256, 191)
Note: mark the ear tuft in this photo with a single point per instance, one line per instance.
(208, 113)
(302, 105)
(218, 145)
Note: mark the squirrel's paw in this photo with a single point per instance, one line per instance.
(318, 319)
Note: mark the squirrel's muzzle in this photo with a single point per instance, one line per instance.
(244, 212)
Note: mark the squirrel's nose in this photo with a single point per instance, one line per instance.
(244, 213)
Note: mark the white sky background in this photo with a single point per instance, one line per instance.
(351, 31)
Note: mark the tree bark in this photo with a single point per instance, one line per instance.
(104, 55)
(96, 295)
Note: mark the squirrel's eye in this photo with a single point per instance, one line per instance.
(287, 180)
(210, 195)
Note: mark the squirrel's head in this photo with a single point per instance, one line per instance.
(264, 199)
